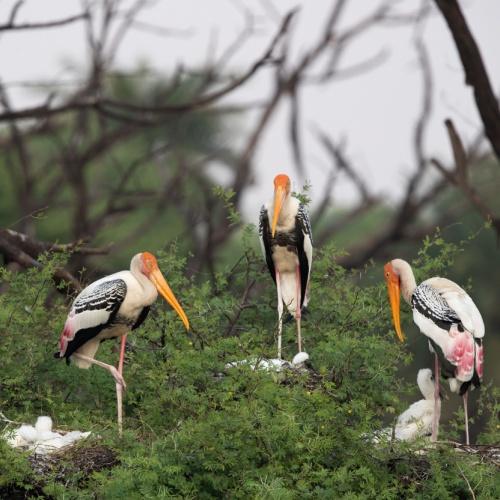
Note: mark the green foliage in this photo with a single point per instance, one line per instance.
(196, 429)
(14, 468)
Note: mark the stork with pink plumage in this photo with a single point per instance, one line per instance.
(453, 325)
(110, 308)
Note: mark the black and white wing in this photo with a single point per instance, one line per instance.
(428, 302)
(265, 240)
(448, 317)
(461, 303)
(304, 248)
(94, 308)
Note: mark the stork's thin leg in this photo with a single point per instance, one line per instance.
(437, 400)
(465, 397)
(119, 387)
(280, 312)
(116, 374)
(297, 307)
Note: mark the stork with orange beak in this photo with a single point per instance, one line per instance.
(286, 240)
(450, 320)
(109, 308)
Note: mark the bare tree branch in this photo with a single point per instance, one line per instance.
(10, 26)
(459, 178)
(475, 72)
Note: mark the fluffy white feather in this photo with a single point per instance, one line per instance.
(43, 424)
(416, 421)
(299, 358)
(42, 440)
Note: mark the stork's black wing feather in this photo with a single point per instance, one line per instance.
(142, 317)
(429, 302)
(98, 306)
(265, 237)
(107, 296)
(303, 231)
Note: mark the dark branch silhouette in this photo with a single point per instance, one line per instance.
(475, 72)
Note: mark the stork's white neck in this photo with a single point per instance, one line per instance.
(406, 277)
(425, 383)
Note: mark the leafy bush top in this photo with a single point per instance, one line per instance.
(197, 430)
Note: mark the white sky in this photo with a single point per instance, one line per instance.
(375, 112)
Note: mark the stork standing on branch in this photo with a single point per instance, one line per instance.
(287, 246)
(450, 320)
(110, 308)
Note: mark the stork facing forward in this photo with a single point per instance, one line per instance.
(286, 239)
(110, 308)
(450, 320)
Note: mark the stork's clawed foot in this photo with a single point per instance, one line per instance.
(118, 378)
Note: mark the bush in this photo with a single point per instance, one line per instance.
(194, 429)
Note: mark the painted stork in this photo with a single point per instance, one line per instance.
(287, 246)
(450, 320)
(110, 307)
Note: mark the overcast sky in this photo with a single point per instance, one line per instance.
(375, 112)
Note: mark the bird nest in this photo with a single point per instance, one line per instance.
(82, 459)
(78, 461)
(414, 469)
(485, 453)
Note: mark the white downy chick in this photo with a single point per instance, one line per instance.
(43, 424)
(28, 433)
(416, 421)
(300, 358)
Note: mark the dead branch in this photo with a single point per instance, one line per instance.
(243, 304)
(475, 72)
(458, 176)
(34, 247)
(112, 106)
(341, 164)
(10, 26)
(404, 217)
(19, 248)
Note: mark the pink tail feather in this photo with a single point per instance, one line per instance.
(461, 353)
(66, 336)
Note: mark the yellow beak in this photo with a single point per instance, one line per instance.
(394, 298)
(162, 286)
(279, 198)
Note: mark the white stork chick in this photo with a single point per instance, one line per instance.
(416, 421)
(450, 320)
(286, 240)
(110, 308)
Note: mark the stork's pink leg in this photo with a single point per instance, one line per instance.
(465, 397)
(437, 400)
(119, 387)
(280, 312)
(297, 307)
(116, 374)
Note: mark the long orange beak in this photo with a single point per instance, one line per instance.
(279, 199)
(395, 298)
(162, 286)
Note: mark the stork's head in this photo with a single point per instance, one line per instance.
(281, 191)
(148, 265)
(393, 280)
